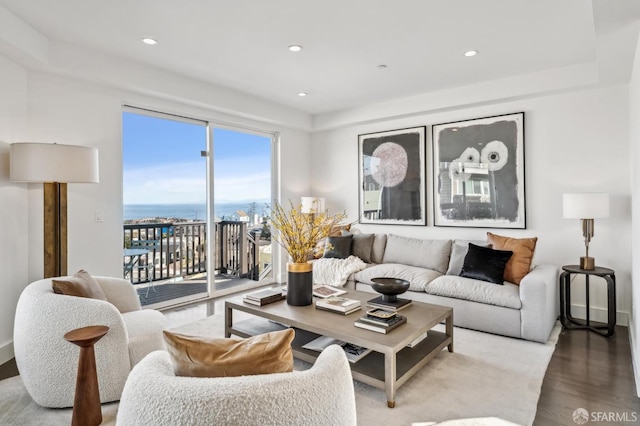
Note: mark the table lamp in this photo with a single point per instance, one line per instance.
(55, 165)
(586, 207)
(311, 205)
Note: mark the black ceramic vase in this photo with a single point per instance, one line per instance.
(299, 284)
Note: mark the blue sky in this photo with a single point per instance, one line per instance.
(162, 163)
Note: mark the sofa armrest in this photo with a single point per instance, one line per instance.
(120, 293)
(538, 293)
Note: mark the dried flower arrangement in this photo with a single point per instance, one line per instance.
(299, 233)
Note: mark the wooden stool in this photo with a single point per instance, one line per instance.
(86, 403)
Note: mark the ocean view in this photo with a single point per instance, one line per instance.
(191, 211)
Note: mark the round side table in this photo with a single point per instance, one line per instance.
(567, 320)
(86, 403)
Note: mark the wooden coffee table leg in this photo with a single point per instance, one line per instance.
(228, 320)
(390, 378)
(86, 404)
(449, 328)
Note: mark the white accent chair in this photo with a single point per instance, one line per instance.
(48, 363)
(321, 395)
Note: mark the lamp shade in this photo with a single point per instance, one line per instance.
(311, 204)
(590, 205)
(45, 162)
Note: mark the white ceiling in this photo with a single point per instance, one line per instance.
(242, 44)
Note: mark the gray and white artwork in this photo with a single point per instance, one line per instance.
(479, 172)
(392, 177)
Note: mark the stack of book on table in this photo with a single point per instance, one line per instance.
(381, 324)
(325, 291)
(395, 306)
(339, 305)
(263, 297)
(353, 352)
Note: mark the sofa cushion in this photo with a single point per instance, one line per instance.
(361, 246)
(377, 250)
(506, 295)
(430, 254)
(338, 247)
(520, 263)
(459, 250)
(418, 277)
(197, 356)
(486, 264)
(81, 284)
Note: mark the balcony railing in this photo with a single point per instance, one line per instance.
(181, 250)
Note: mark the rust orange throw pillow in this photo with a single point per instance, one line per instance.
(520, 263)
(81, 284)
(197, 356)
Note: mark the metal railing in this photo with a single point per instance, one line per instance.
(181, 250)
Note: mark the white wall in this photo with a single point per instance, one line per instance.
(573, 142)
(634, 138)
(66, 110)
(14, 230)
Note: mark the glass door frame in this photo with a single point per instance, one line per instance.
(275, 178)
(126, 108)
(274, 137)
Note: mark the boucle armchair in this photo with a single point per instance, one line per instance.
(321, 395)
(48, 363)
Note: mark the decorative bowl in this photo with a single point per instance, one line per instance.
(390, 288)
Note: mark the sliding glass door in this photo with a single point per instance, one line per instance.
(242, 183)
(165, 246)
(196, 199)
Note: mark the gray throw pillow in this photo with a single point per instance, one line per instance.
(361, 246)
(338, 247)
(459, 250)
(379, 244)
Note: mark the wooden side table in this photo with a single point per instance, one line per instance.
(86, 403)
(565, 299)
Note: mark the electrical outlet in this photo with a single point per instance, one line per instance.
(99, 216)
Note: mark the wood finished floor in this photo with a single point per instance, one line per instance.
(586, 371)
(592, 372)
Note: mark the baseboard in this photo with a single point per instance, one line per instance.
(599, 315)
(6, 352)
(635, 362)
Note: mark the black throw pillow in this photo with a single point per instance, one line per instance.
(486, 264)
(339, 247)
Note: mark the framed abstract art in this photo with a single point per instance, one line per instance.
(392, 177)
(478, 172)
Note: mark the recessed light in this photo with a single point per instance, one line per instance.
(295, 48)
(150, 41)
(470, 53)
(302, 94)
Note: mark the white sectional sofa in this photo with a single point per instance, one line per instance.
(527, 311)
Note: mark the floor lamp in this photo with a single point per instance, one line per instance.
(55, 165)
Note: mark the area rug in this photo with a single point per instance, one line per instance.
(486, 376)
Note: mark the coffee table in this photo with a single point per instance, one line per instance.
(390, 364)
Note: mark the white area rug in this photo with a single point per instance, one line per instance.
(486, 376)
